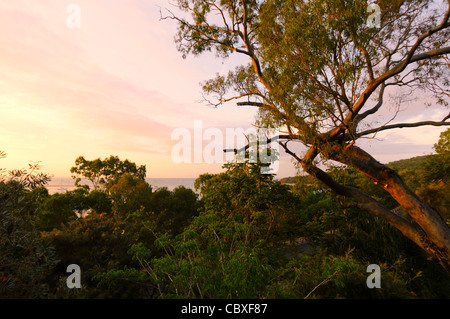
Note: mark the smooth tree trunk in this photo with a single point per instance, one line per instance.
(433, 236)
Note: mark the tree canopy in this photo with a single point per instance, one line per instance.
(106, 172)
(243, 235)
(320, 72)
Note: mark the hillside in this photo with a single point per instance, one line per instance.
(412, 163)
(293, 179)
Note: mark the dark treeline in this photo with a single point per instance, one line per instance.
(243, 235)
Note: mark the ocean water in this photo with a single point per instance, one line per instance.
(171, 183)
(61, 185)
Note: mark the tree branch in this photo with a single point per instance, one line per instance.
(367, 203)
(392, 72)
(374, 109)
(410, 58)
(273, 108)
(267, 141)
(250, 103)
(288, 151)
(402, 125)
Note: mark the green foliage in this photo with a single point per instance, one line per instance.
(130, 193)
(411, 164)
(61, 208)
(99, 201)
(244, 193)
(26, 259)
(212, 258)
(429, 175)
(443, 144)
(220, 254)
(200, 13)
(435, 174)
(437, 167)
(336, 277)
(106, 172)
(255, 238)
(248, 236)
(103, 242)
(174, 211)
(97, 243)
(319, 70)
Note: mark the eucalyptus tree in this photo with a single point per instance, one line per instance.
(322, 71)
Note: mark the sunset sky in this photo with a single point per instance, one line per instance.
(118, 86)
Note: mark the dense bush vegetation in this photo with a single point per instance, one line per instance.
(242, 235)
